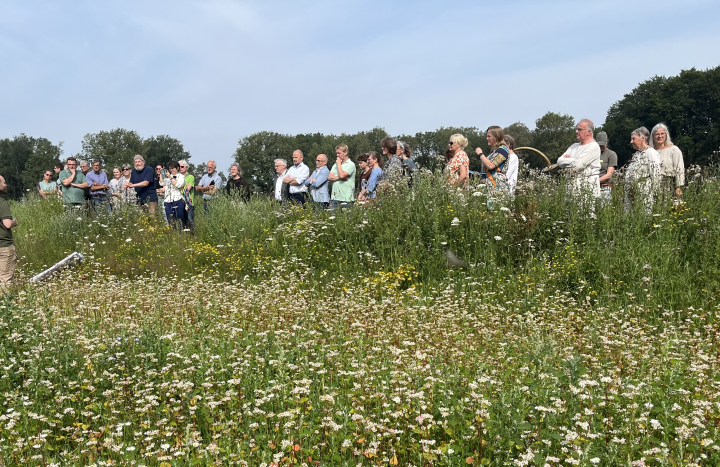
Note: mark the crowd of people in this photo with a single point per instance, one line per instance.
(589, 164)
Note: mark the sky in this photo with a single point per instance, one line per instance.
(214, 71)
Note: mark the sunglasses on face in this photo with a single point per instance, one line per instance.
(125, 170)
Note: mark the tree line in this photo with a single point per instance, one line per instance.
(689, 104)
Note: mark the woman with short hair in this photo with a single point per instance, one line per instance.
(672, 165)
(46, 186)
(236, 186)
(128, 194)
(458, 165)
(642, 175)
(174, 183)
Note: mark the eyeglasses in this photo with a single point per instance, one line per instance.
(48, 175)
(582, 129)
(450, 143)
(126, 170)
(183, 166)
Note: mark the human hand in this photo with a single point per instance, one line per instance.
(479, 151)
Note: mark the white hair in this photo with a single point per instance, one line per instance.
(282, 161)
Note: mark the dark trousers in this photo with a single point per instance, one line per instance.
(297, 198)
(175, 212)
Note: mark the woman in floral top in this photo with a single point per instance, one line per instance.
(642, 175)
(496, 163)
(458, 166)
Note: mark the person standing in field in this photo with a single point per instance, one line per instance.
(342, 175)
(236, 186)
(74, 184)
(47, 187)
(296, 176)
(189, 193)
(582, 161)
(642, 175)
(281, 190)
(128, 194)
(160, 189)
(99, 185)
(174, 183)
(143, 180)
(513, 164)
(376, 171)
(608, 165)
(318, 182)
(209, 185)
(672, 168)
(458, 163)
(8, 256)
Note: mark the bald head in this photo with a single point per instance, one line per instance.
(321, 160)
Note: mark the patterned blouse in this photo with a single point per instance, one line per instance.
(644, 167)
(499, 174)
(453, 168)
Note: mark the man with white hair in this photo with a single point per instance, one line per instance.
(142, 179)
(582, 162)
(209, 184)
(296, 176)
(281, 190)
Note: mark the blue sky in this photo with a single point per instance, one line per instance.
(211, 72)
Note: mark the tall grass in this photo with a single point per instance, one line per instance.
(538, 240)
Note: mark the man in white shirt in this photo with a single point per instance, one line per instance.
(582, 162)
(296, 176)
(281, 192)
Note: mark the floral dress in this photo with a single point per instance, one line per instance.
(497, 177)
(642, 178)
(452, 170)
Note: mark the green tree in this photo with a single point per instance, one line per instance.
(163, 149)
(256, 153)
(553, 134)
(23, 160)
(689, 104)
(111, 148)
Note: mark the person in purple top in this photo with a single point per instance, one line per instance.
(142, 179)
(99, 185)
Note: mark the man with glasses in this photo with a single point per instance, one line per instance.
(281, 190)
(99, 185)
(46, 186)
(318, 182)
(190, 190)
(143, 180)
(296, 176)
(209, 184)
(581, 162)
(74, 184)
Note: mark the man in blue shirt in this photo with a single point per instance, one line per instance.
(318, 182)
(142, 179)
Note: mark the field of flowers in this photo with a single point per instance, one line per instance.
(283, 337)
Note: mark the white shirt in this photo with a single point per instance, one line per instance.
(584, 160)
(300, 172)
(173, 188)
(279, 184)
(512, 171)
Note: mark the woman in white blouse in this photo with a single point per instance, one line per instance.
(672, 165)
(174, 183)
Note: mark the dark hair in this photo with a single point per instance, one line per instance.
(71, 159)
(449, 153)
(378, 158)
(390, 144)
(59, 165)
(173, 165)
(362, 157)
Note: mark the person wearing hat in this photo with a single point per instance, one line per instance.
(608, 164)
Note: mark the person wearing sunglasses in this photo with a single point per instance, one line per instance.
(46, 186)
(458, 162)
(128, 194)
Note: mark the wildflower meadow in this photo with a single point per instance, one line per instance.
(279, 336)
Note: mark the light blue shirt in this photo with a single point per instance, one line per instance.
(319, 188)
(206, 180)
(372, 181)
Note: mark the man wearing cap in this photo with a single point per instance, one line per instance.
(608, 164)
(142, 179)
(582, 162)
